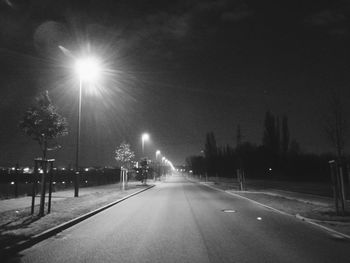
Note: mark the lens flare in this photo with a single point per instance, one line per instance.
(88, 69)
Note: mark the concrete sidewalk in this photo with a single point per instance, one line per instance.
(26, 201)
(20, 229)
(269, 189)
(308, 204)
(301, 197)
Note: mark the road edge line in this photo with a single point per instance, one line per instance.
(305, 219)
(54, 230)
(315, 223)
(246, 198)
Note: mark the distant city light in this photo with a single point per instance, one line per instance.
(86, 169)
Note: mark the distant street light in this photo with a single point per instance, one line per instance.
(144, 137)
(157, 154)
(88, 69)
(157, 164)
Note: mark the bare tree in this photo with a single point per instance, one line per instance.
(335, 129)
(336, 124)
(285, 136)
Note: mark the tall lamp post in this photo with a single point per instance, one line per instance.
(163, 166)
(157, 164)
(88, 70)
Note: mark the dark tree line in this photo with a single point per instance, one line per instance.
(276, 157)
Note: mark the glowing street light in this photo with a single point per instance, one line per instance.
(88, 69)
(157, 154)
(144, 137)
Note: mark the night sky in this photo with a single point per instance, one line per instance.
(174, 69)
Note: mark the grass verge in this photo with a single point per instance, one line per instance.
(19, 225)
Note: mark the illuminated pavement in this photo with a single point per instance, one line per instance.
(181, 221)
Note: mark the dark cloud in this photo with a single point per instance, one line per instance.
(335, 22)
(164, 25)
(326, 18)
(236, 15)
(211, 5)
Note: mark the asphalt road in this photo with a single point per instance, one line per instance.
(182, 221)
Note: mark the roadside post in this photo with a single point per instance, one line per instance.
(44, 165)
(337, 181)
(241, 179)
(348, 171)
(123, 178)
(342, 189)
(50, 186)
(333, 168)
(34, 186)
(16, 179)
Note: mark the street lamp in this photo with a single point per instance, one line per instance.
(157, 164)
(157, 154)
(144, 137)
(88, 69)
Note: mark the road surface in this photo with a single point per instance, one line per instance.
(182, 221)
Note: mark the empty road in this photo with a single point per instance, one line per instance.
(182, 221)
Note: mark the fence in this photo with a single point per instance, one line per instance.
(16, 181)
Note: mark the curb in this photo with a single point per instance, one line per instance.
(305, 219)
(53, 231)
(316, 222)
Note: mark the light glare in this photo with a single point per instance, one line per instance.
(88, 69)
(145, 137)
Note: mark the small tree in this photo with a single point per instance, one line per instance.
(124, 155)
(271, 133)
(238, 136)
(42, 123)
(285, 136)
(211, 154)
